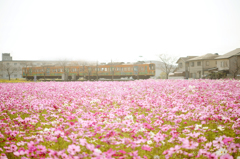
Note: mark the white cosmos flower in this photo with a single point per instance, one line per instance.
(156, 157)
(197, 126)
(141, 129)
(221, 128)
(149, 142)
(46, 129)
(97, 151)
(128, 117)
(152, 134)
(205, 128)
(221, 151)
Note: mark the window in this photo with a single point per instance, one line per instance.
(6, 75)
(15, 64)
(226, 64)
(180, 65)
(207, 63)
(199, 63)
(7, 63)
(105, 69)
(192, 64)
(15, 76)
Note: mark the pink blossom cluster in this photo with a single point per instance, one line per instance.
(137, 119)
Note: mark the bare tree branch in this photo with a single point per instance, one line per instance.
(168, 63)
(234, 65)
(9, 69)
(63, 64)
(26, 68)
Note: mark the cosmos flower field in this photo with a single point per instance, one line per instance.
(138, 119)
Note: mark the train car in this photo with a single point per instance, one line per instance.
(108, 71)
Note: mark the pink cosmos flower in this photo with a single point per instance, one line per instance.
(13, 148)
(218, 143)
(227, 140)
(134, 153)
(226, 156)
(189, 144)
(146, 147)
(72, 149)
(83, 142)
(90, 147)
(212, 156)
(1, 135)
(232, 148)
(3, 156)
(208, 145)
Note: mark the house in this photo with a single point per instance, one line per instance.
(229, 62)
(201, 66)
(180, 71)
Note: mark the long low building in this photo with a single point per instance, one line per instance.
(13, 68)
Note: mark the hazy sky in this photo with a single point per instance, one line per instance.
(121, 30)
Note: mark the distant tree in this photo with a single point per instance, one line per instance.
(96, 70)
(63, 64)
(89, 70)
(168, 63)
(27, 68)
(80, 66)
(9, 69)
(234, 65)
(113, 68)
(85, 65)
(45, 69)
(162, 75)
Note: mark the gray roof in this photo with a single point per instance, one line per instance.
(229, 54)
(186, 58)
(208, 56)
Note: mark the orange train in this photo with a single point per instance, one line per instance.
(108, 71)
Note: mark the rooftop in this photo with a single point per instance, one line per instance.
(208, 56)
(186, 58)
(229, 54)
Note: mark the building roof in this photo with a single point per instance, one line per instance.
(229, 54)
(208, 56)
(186, 58)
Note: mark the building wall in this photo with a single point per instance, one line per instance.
(195, 69)
(11, 64)
(223, 64)
(176, 77)
(181, 65)
(19, 65)
(209, 64)
(158, 71)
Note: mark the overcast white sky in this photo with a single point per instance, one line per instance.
(121, 30)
